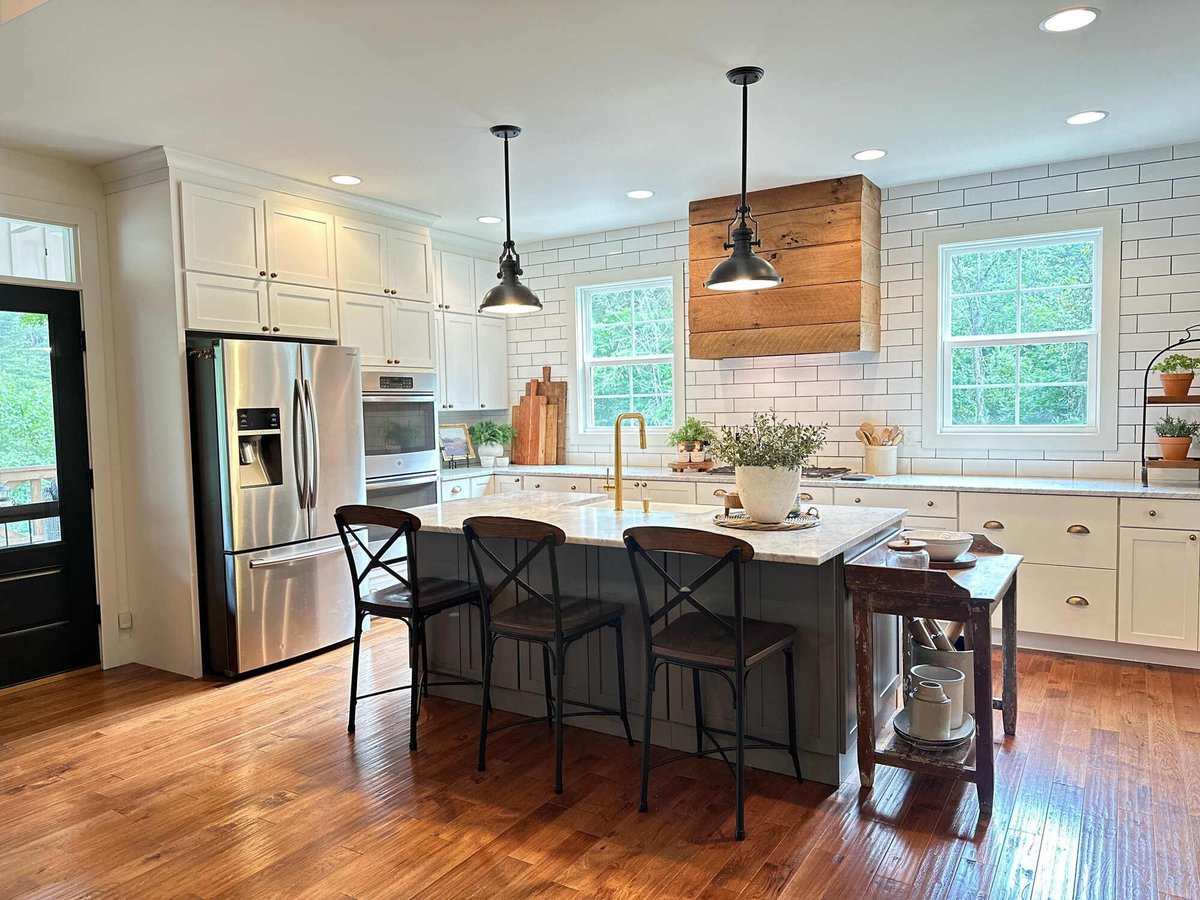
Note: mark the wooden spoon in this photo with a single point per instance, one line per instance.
(862, 436)
(868, 429)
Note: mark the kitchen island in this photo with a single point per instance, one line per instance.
(796, 577)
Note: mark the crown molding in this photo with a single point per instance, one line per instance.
(156, 164)
(464, 244)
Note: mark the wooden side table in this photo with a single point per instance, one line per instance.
(964, 595)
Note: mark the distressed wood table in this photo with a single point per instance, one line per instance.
(879, 586)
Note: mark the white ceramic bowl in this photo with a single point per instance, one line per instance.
(943, 546)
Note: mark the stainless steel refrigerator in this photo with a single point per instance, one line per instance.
(277, 439)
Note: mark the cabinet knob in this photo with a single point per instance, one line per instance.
(929, 503)
(806, 496)
(1191, 537)
(993, 525)
(858, 499)
(265, 328)
(262, 271)
(1078, 529)
(1153, 513)
(273, 275)
(451, 406)
(572, 487)
(393, 293)
(276, 328)
(537, 485)
(1077, 601)
(482, 406)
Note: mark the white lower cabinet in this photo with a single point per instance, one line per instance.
(1160, 588)
(632, 490)
(507, 484)
(1066, 600)
(556, 483)
(481, 485)
(711, 493)
(1046, 528)
(456, 489)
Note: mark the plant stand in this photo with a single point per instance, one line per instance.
(1157, 462)
(680, 466)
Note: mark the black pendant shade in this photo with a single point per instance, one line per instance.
(744, 270)
(509, 296)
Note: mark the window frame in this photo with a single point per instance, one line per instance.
(578, 324)
(1100, 433)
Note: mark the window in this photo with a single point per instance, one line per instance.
(628, 354)
(36, 251)
(1018, 338)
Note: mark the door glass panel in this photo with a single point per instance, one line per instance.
(36, 250)
(397, 426)
(28, 467)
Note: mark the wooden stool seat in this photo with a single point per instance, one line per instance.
(436, 595)
(698, 638)
(533, 619)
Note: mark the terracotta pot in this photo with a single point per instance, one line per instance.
(1174, 447)
(1176, 384)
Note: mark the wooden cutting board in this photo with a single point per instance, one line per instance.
(531, 427)
(555, 393)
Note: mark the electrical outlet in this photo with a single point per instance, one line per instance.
(125, 620)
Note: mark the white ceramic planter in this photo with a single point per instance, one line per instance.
(490, 450)
(767, 495)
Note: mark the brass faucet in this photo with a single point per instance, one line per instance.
(616, 489)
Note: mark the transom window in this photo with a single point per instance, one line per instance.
(1020, 332)
(627, 351)
(36, 250)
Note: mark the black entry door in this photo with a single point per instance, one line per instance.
(48, 611)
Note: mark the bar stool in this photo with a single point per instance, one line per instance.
(413, 600)
(701, 640)
(552, 621)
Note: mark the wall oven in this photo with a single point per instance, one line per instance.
(400, 439)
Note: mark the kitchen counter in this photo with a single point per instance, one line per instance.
(796, 577)
(983, 483)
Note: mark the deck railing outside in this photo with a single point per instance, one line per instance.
(28, 506)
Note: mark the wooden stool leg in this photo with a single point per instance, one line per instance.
(981, 640)
(1008, 645)
(863, 657)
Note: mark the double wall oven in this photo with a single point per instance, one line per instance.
(400, 437)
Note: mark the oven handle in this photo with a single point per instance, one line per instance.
(397, 398)
(403, 481)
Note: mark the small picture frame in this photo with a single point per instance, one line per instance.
(455, 443)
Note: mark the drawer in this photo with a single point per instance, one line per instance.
(929, 522)
(1042, 601)
(1160, 514)
(816, 495)
(939, 504)
(557, 483)
(1046, 528)
(458, 489)
(481, 485)
(662, 491)
(706, 492)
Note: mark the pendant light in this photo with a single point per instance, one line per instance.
(744, 270)
(509, 296)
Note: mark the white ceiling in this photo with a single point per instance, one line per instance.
(612, 95)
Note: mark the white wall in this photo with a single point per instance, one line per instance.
(1157, 192)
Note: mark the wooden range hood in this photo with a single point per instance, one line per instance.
(823, 238)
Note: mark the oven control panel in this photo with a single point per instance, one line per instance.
(395, 382)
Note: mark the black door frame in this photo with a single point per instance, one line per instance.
(74, 643)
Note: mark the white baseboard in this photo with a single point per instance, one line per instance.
(1161, 656)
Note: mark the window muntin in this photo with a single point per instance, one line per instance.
(36, 251)
(627, 351)
(1019, 334)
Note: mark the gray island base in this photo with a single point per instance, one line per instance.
(796, 577)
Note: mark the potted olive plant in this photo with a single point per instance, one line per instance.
(489, 439)
(767, 456)
(1175, 436)
(1176, 373)
(689, 439)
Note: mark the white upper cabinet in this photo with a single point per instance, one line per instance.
(410, 265)
(459, 362)
(362, 257)
(224, 232)
(225, 305)
(366, 323)
(492, 360)
(412, 334)
(457, 276)
(303, 312)
(486, 279)
(300, 245)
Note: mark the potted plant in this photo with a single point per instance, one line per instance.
(689, 439)
(767, 456)
(1176, 373)
(1175, 436)
(489, 439)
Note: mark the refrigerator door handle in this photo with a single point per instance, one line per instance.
(299, 445)
(315, 471)
(259, 562)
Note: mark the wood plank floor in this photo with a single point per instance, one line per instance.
(139, 784)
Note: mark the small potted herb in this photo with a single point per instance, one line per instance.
(767, 456)
(1176, 373)
(489, 439)
(689, 439)
(1175, 436)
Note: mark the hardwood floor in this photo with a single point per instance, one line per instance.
(136, 783)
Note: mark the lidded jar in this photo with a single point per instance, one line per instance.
(906, 553)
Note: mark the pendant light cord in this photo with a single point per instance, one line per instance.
(507, 201)
(745, 123)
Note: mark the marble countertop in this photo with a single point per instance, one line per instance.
(984, 483)
(842, 528)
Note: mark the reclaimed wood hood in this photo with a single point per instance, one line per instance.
(823, 238)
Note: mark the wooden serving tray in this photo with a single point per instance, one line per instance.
(962, 561)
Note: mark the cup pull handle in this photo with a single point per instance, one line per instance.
(806, 497)
(1078, 529)
(1076, 600)
(993, 525)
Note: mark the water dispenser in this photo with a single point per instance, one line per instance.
(260, 459)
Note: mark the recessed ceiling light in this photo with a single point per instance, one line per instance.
(1087, 117)
(490, 220)
(1070, 19)
(639, 194)
(345, 179)
(868, 155)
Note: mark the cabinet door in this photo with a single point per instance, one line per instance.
(486, 278)
(361, 257)
(412, 334)
(366, 323)
(457, 363)
(223, 232)
(481, 485)
(410, 266)
(1159, 596)
(300, 245)
(458, 283)
(458, 489)
(507, 484)
(225, 305)
(492, 359)
(303, 312)
(671, 491)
